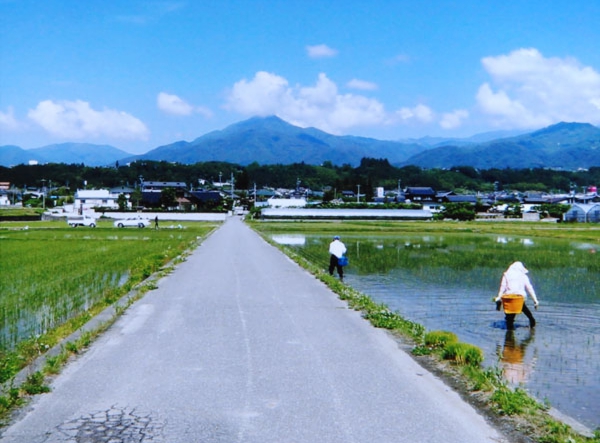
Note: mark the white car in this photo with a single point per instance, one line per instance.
(131, 221)
(81, 220)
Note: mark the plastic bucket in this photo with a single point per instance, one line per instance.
(512, 303)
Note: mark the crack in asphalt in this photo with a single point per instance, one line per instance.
(115, 425)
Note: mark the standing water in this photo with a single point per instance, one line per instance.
(448, 281)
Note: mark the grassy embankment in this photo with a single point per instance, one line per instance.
(441, 350)
(56, 278)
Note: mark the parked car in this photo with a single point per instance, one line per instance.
(132, 221)
(81, 220)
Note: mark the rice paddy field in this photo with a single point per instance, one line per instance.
(444, 276)
(52, 273)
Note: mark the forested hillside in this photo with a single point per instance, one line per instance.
(371, 173)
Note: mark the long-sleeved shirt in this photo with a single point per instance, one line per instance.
(337, 248)
(516, 281)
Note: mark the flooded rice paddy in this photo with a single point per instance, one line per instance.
(448, 281)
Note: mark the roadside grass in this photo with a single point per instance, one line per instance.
(62, 255)
(454, 359)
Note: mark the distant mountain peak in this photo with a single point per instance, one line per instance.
(272, 140)
(270, 122)
(565, 127)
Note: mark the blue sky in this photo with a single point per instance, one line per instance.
(139, 74)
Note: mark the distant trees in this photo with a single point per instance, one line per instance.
(122, 202)
(370, 174)
(458, 211)
(553, 210)
(168, 198)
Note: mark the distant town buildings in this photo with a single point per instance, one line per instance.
(584, 206)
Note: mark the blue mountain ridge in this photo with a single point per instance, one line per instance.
(271, 140)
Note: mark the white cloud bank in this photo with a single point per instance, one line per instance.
(320, 105)
(529, 90)
(77, 120)
(525, 90)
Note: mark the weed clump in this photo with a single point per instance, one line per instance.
(440, 339)
(463, 353)
(34, 384)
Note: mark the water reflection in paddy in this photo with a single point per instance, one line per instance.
(447, 282)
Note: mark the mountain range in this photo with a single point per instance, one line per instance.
(270, 140)
(86, 153)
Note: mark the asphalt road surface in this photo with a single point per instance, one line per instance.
(239, 344)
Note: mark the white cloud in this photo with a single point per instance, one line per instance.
(420, 114)
(530, 90)
(320, 105)
(454, 119)
(362, 85)
(320, 51)
(171, 104)
(264, 95)
(8, 122)
(76, 119)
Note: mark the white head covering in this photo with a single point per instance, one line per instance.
(517, 267)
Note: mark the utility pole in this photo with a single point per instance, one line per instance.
(358, 195)
(44, 193)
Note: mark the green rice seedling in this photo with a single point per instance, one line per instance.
(55, 279)
(463, 354)
(440, 339)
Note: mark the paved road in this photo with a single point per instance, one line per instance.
(239, 344)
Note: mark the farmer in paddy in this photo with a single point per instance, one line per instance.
(336, 250)
(515, 283)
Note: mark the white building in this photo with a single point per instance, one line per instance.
(4, 200)
(286, 202)
(86, 200)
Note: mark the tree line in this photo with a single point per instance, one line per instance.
(370, 174)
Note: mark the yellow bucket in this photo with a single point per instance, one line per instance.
(512, 303)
